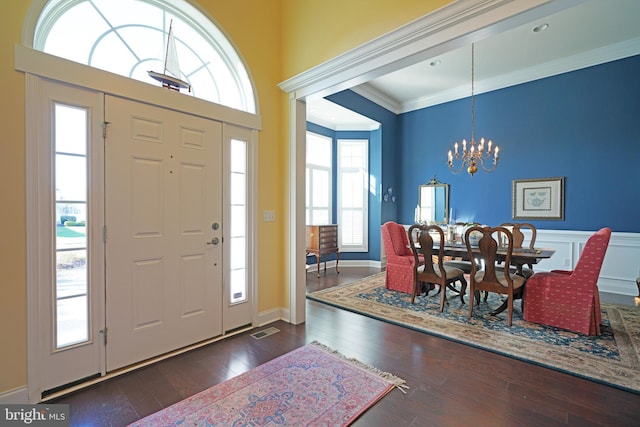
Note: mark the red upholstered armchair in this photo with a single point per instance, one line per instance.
(399, 258)
(570, 299)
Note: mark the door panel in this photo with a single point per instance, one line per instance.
(163, 192)
(70, 255)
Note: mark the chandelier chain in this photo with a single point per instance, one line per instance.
(476, 154)
(473, 101)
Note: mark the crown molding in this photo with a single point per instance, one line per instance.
(452, 26)
(564, 65)
(343, 126)
(372, 94)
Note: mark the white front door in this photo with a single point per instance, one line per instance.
(164, 230)
(156, 188)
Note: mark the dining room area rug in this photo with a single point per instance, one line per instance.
(313, 385)
(611, 358)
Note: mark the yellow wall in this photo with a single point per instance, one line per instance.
(316, 31)
(278, 39)
(254, 27)
(13, 288)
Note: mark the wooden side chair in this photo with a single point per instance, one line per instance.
(463, 264)
(489, 279)
(518, 243)
(433, 271)
(518, 235)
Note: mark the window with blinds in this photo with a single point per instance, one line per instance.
(353, 196)
(318, 179)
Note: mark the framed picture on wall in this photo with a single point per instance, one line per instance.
(538, 198)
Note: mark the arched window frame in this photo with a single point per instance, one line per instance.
(49, 12)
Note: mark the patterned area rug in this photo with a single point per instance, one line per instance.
(310, 386)
(611, 358)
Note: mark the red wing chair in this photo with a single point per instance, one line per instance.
(399, 258)
(569, 299)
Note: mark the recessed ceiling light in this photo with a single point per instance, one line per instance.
(435, 63)
(540, 28)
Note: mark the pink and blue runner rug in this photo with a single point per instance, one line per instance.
(310, 386)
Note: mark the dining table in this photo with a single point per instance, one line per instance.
(519, 258)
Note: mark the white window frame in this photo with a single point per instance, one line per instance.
(310, 168)
(364, 209)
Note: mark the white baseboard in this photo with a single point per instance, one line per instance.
(270, 316)
(17, 396)
(367, 263)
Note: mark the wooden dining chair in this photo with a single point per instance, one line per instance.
(489, 279)
(433, 271)
(519, 240)
(518, 236)
(463, 263)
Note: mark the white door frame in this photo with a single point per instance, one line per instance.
(36, 65)
(453, 26)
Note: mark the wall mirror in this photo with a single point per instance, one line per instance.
(433, 202)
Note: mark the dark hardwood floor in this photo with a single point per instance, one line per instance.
(450, 384)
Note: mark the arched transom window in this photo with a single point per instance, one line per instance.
(129, 37)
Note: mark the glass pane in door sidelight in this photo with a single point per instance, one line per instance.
(71, 290)
(238, 223)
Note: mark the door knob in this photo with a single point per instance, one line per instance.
(214, 241)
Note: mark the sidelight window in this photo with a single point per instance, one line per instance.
(238, 222)
(71, 302)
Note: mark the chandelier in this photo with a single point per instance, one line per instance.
(473, 154)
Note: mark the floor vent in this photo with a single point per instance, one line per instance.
(264, 333)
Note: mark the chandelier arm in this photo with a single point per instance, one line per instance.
(493, 168)
(457, 171)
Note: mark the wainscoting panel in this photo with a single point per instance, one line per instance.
(621, 263)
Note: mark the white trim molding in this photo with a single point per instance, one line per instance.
(32, 61)
(17, 396)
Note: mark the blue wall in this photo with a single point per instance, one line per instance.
(583, 125)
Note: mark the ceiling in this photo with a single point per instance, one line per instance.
(588, 34)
